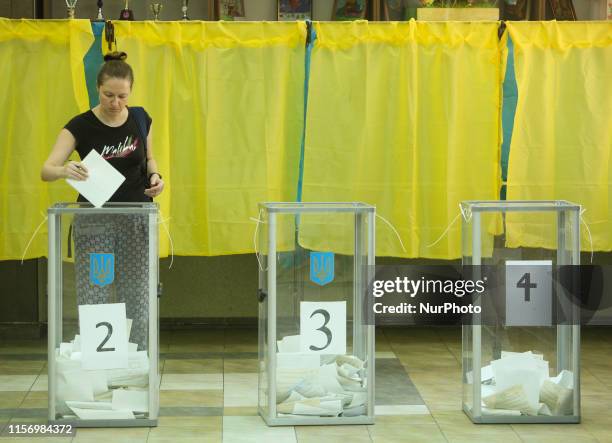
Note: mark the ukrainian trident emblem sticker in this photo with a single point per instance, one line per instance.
(321, 267)
(101, 268)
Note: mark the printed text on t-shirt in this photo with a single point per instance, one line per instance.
(123, 149)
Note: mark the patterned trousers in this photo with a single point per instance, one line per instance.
(127, 237)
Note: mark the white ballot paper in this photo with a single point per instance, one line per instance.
(289, 343)
(102, 182)
(526, 371)
(95, 414)
(98, 405)
(297, 360)
(137, 401)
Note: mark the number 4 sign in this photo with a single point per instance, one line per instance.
(528, 292)
(104, 341)
(323, 327)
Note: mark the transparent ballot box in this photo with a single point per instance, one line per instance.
(521, 353)
(103, 315)
(316, 350)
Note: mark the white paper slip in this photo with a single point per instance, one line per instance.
(65, 349)
(73, 385)
(76, 343)
(326, 409)
(289, 343)
(328, 378)
(137, 401)
(565, 379)
(129, 327)
(102, 182)
(95, 414)
(98, 381)
(522, 370)
(486, 373)
(297, 360)
(506, 354)
(98, 405)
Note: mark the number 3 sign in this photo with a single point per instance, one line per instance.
(323, 327)
(104, 341)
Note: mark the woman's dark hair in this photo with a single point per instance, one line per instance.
(115, 66)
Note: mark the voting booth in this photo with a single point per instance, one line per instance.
(316, 352)
(523, 367)
(103, 327)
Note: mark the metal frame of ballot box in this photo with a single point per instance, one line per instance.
(567, 347)
(299, 215)
(56, 297)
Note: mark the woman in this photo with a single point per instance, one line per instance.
(122, 136)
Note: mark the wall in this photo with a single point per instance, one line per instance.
(19, 300)
(590, 9)
(198, 9)
(17, 8)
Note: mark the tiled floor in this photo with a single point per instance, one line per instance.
(209, 393)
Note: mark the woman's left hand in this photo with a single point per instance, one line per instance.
(157, 186)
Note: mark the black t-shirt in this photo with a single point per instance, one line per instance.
(121, 146)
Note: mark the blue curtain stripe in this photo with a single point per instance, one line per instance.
(510, 92)
(311, 39)
(92, 61)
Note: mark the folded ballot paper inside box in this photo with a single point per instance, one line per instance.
(309, 384)
(102, 393)
(519, 384)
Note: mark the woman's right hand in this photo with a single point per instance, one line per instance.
(75, 171)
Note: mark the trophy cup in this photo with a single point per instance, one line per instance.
(126, 12)
(71, 5)
(100, 16)
(156, 9)
(184, 9)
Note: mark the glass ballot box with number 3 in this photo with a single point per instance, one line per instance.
(103, 315)
(316, 351)
(521, 353)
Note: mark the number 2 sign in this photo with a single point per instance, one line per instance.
(104, 341)
(323, 327)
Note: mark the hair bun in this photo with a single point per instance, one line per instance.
(115, 56)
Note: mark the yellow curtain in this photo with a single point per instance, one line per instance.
(405, 116)
(562, 134)
(227, 106)
(43, 86)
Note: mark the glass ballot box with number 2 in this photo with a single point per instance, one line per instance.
(521, 354)
(103, 315)
(316, 351)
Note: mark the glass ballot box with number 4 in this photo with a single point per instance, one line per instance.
(521, 353)
(103, 315)
(316, 351)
